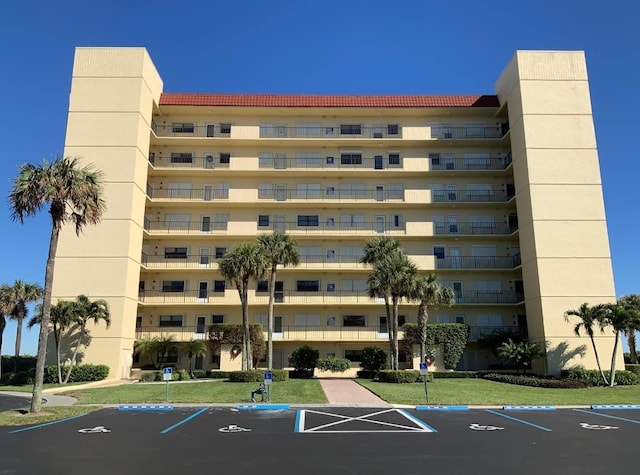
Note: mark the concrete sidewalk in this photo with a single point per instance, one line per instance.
(47, 399)
(348, 392)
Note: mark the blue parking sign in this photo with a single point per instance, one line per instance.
(166, 374)
(424, 368)
(268, 378)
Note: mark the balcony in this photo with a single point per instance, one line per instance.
(471, 196)
(478, 262)
(230, 297)
(206, 194)
(470, 164)
(330, 163)
(190, 129)
(474, 229)
(330, 132)
(468, 133)
(488, 297)
(206, 162)
(331, 194)
(177, 333)
(480, 332)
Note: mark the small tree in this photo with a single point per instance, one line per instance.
(147, 347)
(333, 364)
(194, 348)
(520, 354)
(374, 359)
(304, 361)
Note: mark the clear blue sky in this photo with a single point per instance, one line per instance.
(326, 47)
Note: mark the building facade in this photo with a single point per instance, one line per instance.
(499, 195)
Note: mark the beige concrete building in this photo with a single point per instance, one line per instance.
(500, 195)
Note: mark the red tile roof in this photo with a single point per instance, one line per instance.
(291, 100)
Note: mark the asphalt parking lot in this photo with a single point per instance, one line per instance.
(328, 440)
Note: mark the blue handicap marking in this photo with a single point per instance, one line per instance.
(268, 376)
(167, 370)
(423, 365)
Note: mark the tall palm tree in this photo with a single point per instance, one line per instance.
(194, 348)
(620, 318)
(430, 293)
(22, 293)
(164, 345)
(239, 265)
(86, 310)
(632, 303)
(73, 194)
(147, 347)
(5, 309)
(280, 250)
(588, 317)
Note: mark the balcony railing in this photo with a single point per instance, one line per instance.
(187, 261)
(329, 132)
(468, 133)
(207, 194)
(470, 196)
(489, 297)
(470, 164)
(185, 227)
(474, 229)
(208, 162)
(480, 332)
(178, 333)
(478, 262)
(330, 162)
(331, 195)
(190, 129)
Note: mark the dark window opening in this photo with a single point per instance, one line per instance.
(351, 159)
(308, 285)
(354, 356)
(351, 129)
(173, 285)
(353, 321)
(218, 286)
(308, 220)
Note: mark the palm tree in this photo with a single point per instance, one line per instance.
(164, 345)
(430, 293)
(279, 249)
(621, 318)
(590, 316)
(147, 347)
(74, 194)
(632, 303)
(21, 294)
(85, 310)
(240, 265)
(5, 309)
(194, 348)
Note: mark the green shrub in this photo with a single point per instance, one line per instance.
(336, 365)
(25, 363)
(17, 379)
(454, 374)
(374, 359)
(183, 375)
(147, 377)
(79, 373)
(304, 360)
(367, 374)
(535, 382)
(199, 373)
(256, 375)
(623, 378)
(217, 374)
(634, 368)
(402, 376)
(452, 336)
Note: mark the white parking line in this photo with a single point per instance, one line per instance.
(419, 427)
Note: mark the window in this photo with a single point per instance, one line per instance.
(181, 158)
(170, 320)
(138, 321)
(172, 356)
(329, 160)
(331, 287)
(393, 129)
(396, 220)
(331, 190)
(218, 286)
(435, 159)
(263, 220)
(221, 221)
(308, 220)
(215, 319)
(173, 285)
(354, 321)
(225, 158)
(182, 128)
(141, 286)
(438, 251)
(263, 286)
(220, 251)
(351, 129)
(175, 252)
(308, 286)
(351, 159)
(394, 159)
(354, 356)
(225, 128)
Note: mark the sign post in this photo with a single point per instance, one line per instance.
(167, 376)
(424, 369)
(268, 379)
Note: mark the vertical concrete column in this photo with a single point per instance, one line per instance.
(113, 92)
(563, 233)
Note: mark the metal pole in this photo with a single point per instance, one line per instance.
(167, 392)
(426, 394)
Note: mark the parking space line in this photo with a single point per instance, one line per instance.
(300, 420)
(47, 423)
(186, 419)
(607, 415)
(519, 420)
(415, 420)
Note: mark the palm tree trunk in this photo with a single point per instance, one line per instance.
(57, 335)
(395, 332)
(75, 353)
(631, 339)
(3, 324)
(389, 331)
(272, 291)
(246, 334)
(19, 320)
(36, 400)
(423, 318)
(612, 376)
(595, 351)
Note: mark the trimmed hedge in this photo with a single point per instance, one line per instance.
(537, 382)
(336, 365)
(25, 363)
(633, 368)
(257, 376)
(623, 378)
(454, 374)
(402, 376)
(217, 374)
(452, 336)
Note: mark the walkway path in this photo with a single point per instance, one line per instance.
(348, 392)
(47, 399)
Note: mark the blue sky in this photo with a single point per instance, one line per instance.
(327, 47)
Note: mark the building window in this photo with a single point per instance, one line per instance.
(393, 129)
(329, 160)
(351, 129)
(170, 320)
(354, 356)
(435, 158)
(138, 322)
(141, 286)
(308, 285)
(225, 158)
(353, 321)
(215, 319)
(175, 252)
(172, 357)
(263, 286)
(331, 287)
(173, 285)
(438, 251)
(182, 128)
(394, 159)
(181, 158)
(218, 286)
(225, 128)
(263, 220)
(351, 159)
(308, 220)
(220, 251)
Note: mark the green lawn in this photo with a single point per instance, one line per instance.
(23, 418)
(290, 391)
(483, 392)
